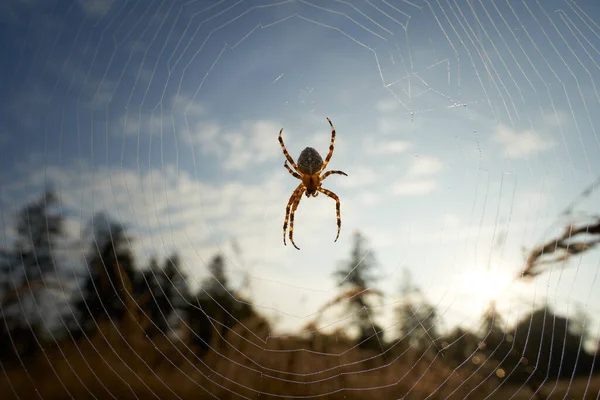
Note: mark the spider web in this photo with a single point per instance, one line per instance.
(142, 197)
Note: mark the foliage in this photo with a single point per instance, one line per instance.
(109, 255)
(171, 339)
(32, 288)
(215, 307)
(417, 319)
(358, 274)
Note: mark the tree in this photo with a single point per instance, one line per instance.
(217, 283)
(458, 346)
(549, 342)
(417, 319)
(164, 294)
(358, 273)
(109, 254)
(39, 228)
(215, 307)
(177, 288)
(33, 301)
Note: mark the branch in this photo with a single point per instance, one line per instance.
(564, 245)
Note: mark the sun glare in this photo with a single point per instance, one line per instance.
(483, 284)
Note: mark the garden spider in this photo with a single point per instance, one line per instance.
(310, 165)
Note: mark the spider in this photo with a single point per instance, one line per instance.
(309, 167)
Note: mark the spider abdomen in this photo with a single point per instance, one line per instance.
(309, 161)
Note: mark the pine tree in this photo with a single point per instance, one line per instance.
(33, 302)
(109, 253)
(417, 319)
(165, 294)
(216, 305)
(358, 274)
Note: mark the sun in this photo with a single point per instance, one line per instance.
(483, 284)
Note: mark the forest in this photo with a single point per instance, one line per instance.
(117, 329)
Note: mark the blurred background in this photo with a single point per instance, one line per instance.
(143, 195)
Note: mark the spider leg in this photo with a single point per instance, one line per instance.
(294, 207)
(294, 174)
(285, 152)
(292, 199)
(333, 172)
(337, 208)
(330, 147)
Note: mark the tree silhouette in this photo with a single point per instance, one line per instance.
(458, 346)
(39, 227)
(32, 288)
(417, 319)
(215, 305)
(549, 342)
(217, 283)
(177, 289)
(109, 255)
(358, 273)
(164, 294)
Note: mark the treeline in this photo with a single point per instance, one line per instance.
(46, 296)
(48, 299)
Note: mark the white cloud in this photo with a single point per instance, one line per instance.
(368, 198)
(205, 135)
(388, 125)
(419, 178)
(387, 105)
(185, 105)
(451, 219)
(553, 119)
(424, 166)
(521, 144)
(164, 209)
(141, 123)
(385, 147)
(95, 7)
(413, 187)
(360, 177)
(255, 144)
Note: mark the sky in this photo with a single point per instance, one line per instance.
(465, 130)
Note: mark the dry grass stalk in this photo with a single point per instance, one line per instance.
(565, 245)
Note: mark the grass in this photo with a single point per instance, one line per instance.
(119, 360)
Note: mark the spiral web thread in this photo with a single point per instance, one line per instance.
(112, 115)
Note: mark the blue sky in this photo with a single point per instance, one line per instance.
(464, 130)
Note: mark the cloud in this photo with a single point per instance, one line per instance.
(360, 177)
(156, 122)
(521, 144)
(95, 7)
(142, 123)
(205, 135)
(419, 178)
(388, 125)
(413, 187)
(368, 198)
(554, 119)
(185, 105)
(164, 209)
(424, 166)
(387, 105)
(253, 145)
(385, 147)
(451, 219)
